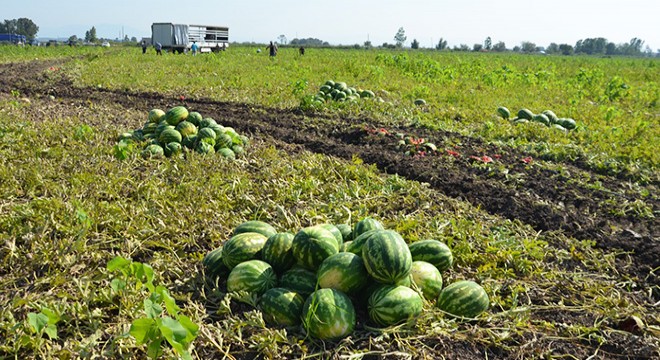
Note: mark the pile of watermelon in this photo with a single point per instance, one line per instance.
(339, 91)
(547, 117)
(176, 131)
(318, 277)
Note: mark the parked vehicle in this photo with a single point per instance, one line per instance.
(12, 38)
(179, 37)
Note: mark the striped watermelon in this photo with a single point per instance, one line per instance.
(427, 278)
(204, 148)
(282, 307)
(242, 247)
(345, 246)
(335, 232)
(504, 112)
(312, 245)
(257, 226)
(156, 116)
(343, 271)
(176, 115)
(277, 252)
(551, 116)
(387, 257)
(213, 262)
(173, 149)
(186, 128)
(525, 114)
(223, 141)
(194, 117)
(253, 276)
(355, 246)
(299, 280)
(365, 225)
(226, 153)
(346, 232)
(169, 135)
(328, 314)
(432, 251)
(463, 299)
(392, 304)
(206, 133)
(206, 122)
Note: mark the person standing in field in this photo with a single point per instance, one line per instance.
(273, 49)
(194, 48)
(159, 48)
(144, 47)
(302, 50)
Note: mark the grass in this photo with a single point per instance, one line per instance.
(68, 207)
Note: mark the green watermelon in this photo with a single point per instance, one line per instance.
(282, 307)
(206, 133)
(551, 116)
(153, 151)
(253, 276)
(168, 136)
(194, 117)
(345, 246)
(567, 123)
(162, 126)
(432, 251)
(504, 112)
(257, 226)
(427, 278)
(335, 232)
(299, 280)
(420, 102)
(387, 257)
(223, 141)
(355, 246)
(277, 252)
(156, 116)
(242, 247)
(204, 148)
(206, 122)
(525, 114)
(346, 232)
(149, 128)
(463, 299)
(559, 127)
(541, 118)
(237, 149)
(176, 115)
(328, 314)
(189, 141)
(312, 245)
(343, 271)
(226, 153)
(125, 136)
(392, 304)
(213, 262)
(365, 225)
(186, 128)
(173, 149)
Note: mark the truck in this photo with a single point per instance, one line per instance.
(12, 38)
(179, 37)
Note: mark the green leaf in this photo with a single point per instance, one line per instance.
(153, 350)
(193, 329)
(144, 330)
(118, 263)
(152, 309)
(173, 331)
(37, 321)
(51, 331)
(170, 303)
(117, 284)
(53, 318)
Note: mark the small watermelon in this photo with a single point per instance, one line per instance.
(176, 115)
(194, 117)
(257, 226)
(343, 271)
(346, 232)
(551, 116)
(226, 153)
(365, 225)
(432, 251)
(392, 304)
(186, 128)
(525, 114)
(204, 148)
(312, 245)
(253, 276)
(387, 257)
(173, 149)
(153, 151)
(504, 112)
(335, 231)
(242, 247)
(299, 280)
(156, 116)
(355, 246)
(463, 299)
(213, 262)
(427, 278)
(168, 136)
(328, 314)
(206, 122)
(282, 307)
(277, 252)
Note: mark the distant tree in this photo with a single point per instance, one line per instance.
(611, 49)
(566, 49)
(73, 39)
(528, 47)
(133, 39)
(516, 48)
(367, 44)
(400, 37)
(442, 44)
(414, 44)
(462, 47)
(553, 48)
(477, 47)
(309, 42)
(591, 46)
(488, 43)
(500, 46)
(90, 35)
(21, 26)
(282, 39)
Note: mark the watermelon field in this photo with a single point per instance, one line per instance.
(344, 204)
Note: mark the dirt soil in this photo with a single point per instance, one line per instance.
(513, 185)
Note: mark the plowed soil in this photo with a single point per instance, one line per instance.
(513, 186)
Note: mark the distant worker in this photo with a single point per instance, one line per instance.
(194, 48)
(302, 50)
(144, 47)
(159, 48)
(273, 49)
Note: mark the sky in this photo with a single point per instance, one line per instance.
(354, 22)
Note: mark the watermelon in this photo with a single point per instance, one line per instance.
(152, 151)
(206, 122)
(328, 314)
(168, 136)
(525, 114)
(541, 118)
(357, 243)
(149, 128)
(237, 149)
(365, 225)
(186, 128)
(173, 149)
(335, 232)
(223, 141)
(345, 246)
(567, 123)
(257, 226)
(520, 121)
(463, 299)
(343, 271)
(346, 232)
(393, 304)
(427, 278)
(162, 127)
(126, 136)
(504, 112)
(299, 280)
(227, 153)
(176, 115)
(387, 257)
(208, 140)
(253, 276)
(204, 148)
(420, 102)
(281, 307)
(432, 251)
(156, 116)
(312, 245)
(277, 252)
(242, 247)
(189, 141)
(205, 133)
(212, 262)
(551, 116)
(194, 117)
(559, 127)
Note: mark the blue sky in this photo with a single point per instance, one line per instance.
(353, 22)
